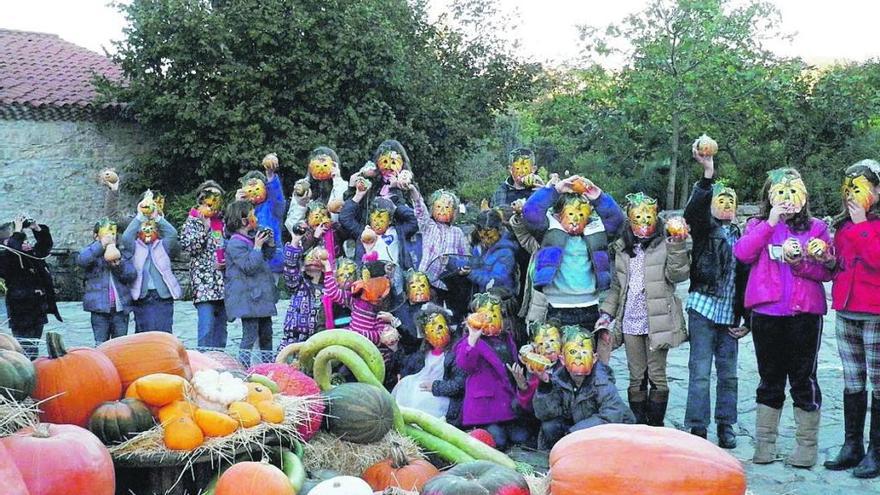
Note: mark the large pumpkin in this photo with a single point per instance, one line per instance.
(479, 478)
(359, 412)
(55, 459)
(400, 472)
(143, 354)
(10, 479)
(74, 383)
(9, 343)
(254, 478)
(601, 459)
(18, 378)
(294, 382)
(117, 421)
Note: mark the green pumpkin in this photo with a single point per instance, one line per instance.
(359, 412)
(18, 378)
(117, 421)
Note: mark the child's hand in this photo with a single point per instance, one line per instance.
(261, 238)
(328, 268)
(474, 335)
(319, 231)
(389, 337)
(385, 316)
(604, 322)
(295, 240)
(519, 376)
(240, 195)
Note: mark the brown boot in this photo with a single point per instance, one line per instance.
(806, 451)
(766, 429)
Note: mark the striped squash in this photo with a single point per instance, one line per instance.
(359, 412)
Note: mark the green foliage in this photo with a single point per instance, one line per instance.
(222, 83)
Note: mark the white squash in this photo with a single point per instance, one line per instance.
(342, 485)
(215, 391)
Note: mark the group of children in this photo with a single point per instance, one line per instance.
(511, 328)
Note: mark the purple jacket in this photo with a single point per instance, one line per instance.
(776, 288)
(488, 393)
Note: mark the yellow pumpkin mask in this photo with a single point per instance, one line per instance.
(642, 214)
(255, 190)
(317, 215)
(148, 232)
(321, 167)
(436, 330)
(211, 204)
(490, 307)
(521, 166)
(444, 206)
(107, 228)
(346, 270)
(577, 351)
(418, 288)
(787, 187)
(488, 237)
(547, 340)
(860, 191)
(389, 163)
(723, 205)
(575, 215)
(380, 221)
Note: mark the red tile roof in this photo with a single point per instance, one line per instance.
(41, 70)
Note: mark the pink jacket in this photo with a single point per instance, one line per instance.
(857, 280)
(776, 288)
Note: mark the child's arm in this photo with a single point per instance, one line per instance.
(124, 271)
(678, 263)
(248, 259)
(610, 213)
(612, 409)
(451, 386)
(332, 289)
(90, 255)
(275, 197)
(423, 216)
(406, 222)
(753, 241)
(525, 397)
(547, 402)
(535, 209)
(698, 211)
(523, 236)
(350, 218)
(811, 269)
(468, 356)
(168, 236)
(612, 298)
(501, 271)
(867, 246)
(130, 234)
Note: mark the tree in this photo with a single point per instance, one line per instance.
(221, 83)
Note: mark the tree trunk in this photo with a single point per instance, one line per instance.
(685, 184)
(673, 160)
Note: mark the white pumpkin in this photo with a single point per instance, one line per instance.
(342, 485)
(215, 391)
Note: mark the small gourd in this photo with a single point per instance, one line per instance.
(111, 253)
(706, 146)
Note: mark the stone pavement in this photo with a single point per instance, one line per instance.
(774, 479)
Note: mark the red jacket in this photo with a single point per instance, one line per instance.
(857, 279)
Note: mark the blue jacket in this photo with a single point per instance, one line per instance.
(270, 213)
(548, 259)
(249, 285)
(498, 263)
(98, 276)
(404, 222)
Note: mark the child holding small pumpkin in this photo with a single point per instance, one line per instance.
(390, 170)
(493, 258)
(439, 236)
(303, 274)
(418, 293)
(265, 193)
(322, 183)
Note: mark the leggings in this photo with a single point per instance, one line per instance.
(858, 342)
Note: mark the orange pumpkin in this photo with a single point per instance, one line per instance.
(176, 410)
(271, 412)
(73, 383)
(600, 460)
(399, 472)
(258, 393)
(215, 424)
(256, 478)
(143, 354)
(158, 389)
(245, 413)
(183, 434)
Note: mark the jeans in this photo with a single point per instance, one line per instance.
(212, 324)
(508, 434)
(787, 348)
(153, 313)
(253, 329)
(708, 341)
(108, 326)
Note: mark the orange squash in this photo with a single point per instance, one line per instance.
(271, 412)
(143, 354)
(258, 393)
(215, 424)
(158, 389)
(183, 434)
(176, 410)
(601, 460)
(254, 478)
(399, 472)
(245, 413)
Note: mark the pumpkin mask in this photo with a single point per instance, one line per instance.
(418, 289)
(321, 167)
(389, 163)
(489, 306)
(547, 340)
(787, 187)
(436, 330)
(575, 214)
(346, 271)
(210, 203)
(106, 228)
(522, 165)
(374, 285)
(255, 190)
(488, 237)
(642, 214)
(577, 351)
(314, 259)
(723, 202)
(444, 206)
(148, 232)
(380, 220)
(860, 191)
(317, 214)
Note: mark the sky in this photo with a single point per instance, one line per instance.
(824, 30)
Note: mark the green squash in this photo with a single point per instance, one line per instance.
(18, 378)
(116, 421)
(359, 412)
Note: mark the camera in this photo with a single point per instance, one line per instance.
(28, 222)
(267, 231)
(298, 229)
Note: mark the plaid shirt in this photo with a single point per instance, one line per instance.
(438, 239)
(718, 309)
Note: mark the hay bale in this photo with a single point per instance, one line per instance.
(15, 415)
(326, 451)
(538, 484)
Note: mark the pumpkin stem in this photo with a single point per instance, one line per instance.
(398, 456)
(41, 431)
(56, 345)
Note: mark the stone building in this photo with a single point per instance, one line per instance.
(54, 138)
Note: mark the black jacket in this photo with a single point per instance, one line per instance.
(596, 402)
(711, 256)
(28, 280)
(451, 386)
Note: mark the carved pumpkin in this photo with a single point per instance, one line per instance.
(143, 354)
(677, 227)
(706, 146)
(335, 205)
(400, 472)
(9, 343)
(677, 463)
(158, 389)
(368, 236)
(215, 424)
(117, 421)
(478, 477)
(245, 413)
(56, 459)
(18, 378)
(254, 478)
(183, 434)
(73, 383)
(10, 479)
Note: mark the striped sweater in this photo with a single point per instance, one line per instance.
(364, 316)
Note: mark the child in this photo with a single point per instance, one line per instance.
(154, 243)
(484, 355)
(202, 238)
(522, 181)
(322, 183)
(787, 303)
(303, 275)
(439, 236)
(493, 260)
(108, 276)
(647, 314)
(391, 171)
(321, 230)
(432, 382)
(250, 288)
(418, 295)
(577, 395)
(264, 192)
(854, 296)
